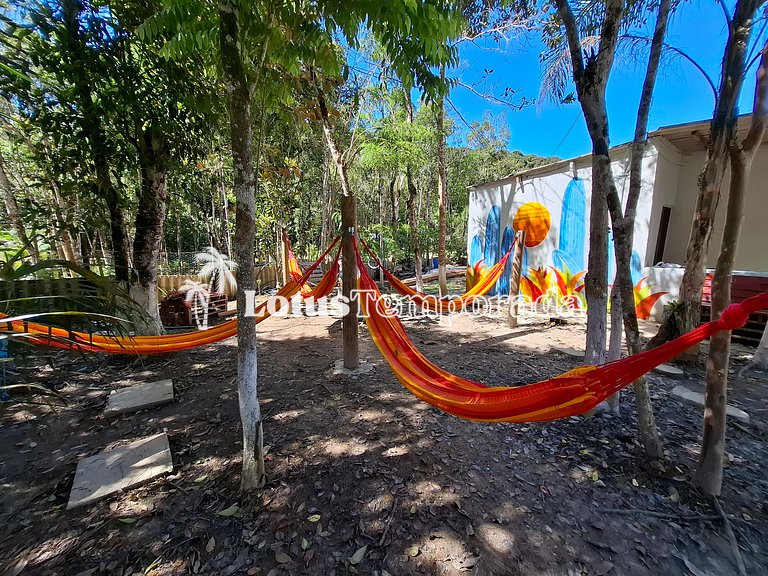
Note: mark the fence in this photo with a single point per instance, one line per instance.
(265, 278)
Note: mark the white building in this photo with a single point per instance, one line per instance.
(552, 204)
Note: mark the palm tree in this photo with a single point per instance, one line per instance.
(217, 270)
(198, 294)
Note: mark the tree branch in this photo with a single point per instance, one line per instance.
(572, 34)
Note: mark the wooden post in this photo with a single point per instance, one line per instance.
(349, 282)
(514, 279)
(283, 257)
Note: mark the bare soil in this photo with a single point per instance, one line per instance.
(366, 479)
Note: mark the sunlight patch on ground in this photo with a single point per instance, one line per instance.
(395, 451)
(288, 414)
(339, 448)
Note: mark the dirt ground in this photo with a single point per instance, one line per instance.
(366, 479)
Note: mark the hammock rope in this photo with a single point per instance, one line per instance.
(487, 280)
(569, 394)
(45, 335)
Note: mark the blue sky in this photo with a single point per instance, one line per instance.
(682, 94)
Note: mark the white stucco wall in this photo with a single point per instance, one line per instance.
(752, 254)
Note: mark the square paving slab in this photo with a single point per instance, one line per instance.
(120, 468)
(139, 397)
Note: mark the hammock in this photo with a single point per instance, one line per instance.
(487, 279)
(569, 394)
(43, 335)
(327, 282)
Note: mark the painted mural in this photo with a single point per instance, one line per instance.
(559, 279)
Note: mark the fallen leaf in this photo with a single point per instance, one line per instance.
(211, 545)
(227, 512)
(314, 518)
(595, 476)
(127, 520)
(201, 479)
(358, 556)
(413, 551)
(281, 557)
(304, 544)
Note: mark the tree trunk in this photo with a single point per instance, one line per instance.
(442, 191)
(760, 359)
(328, 203)
(514, 279)
(74, 53)
(244, 185)
(411, 204)
(12, 209)
(709, 472)
(351, 357)
(150, 215)
(591, 77)
(349, 282)
(614, 343)
(623, 230)
(710, 181)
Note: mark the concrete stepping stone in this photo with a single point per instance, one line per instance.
(120, 468)
(569, 351)
(139, 397)
(669, 370)
(697, 399)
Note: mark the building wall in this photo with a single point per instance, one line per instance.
(553, 208)
(752, 254)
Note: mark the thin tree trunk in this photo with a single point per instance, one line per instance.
(74, 49)
(328, 202)
(411, 204)
(614, 343)
(760, 359)
(442, 191)
(244, 185)
(150, 215)
(623, 229)
(709, 473)
(14, 215)
(349, 282)
(63, 233)
(349, 230)
(591, 77)
(720, 134)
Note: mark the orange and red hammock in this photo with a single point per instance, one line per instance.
(569, 394)
(44, 335)
(486, 279)
(326, 284)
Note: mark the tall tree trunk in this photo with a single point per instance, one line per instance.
(394, 195)
(411, 204)
(624, 228)
(74, 53)
(614, 343)
(721, 132)
(351, 357)
(14, 215)
(709, 473)
(328, 204)
(442, 191)
(244, 185)
(150, 215)
(760, 359)
(591, 77)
